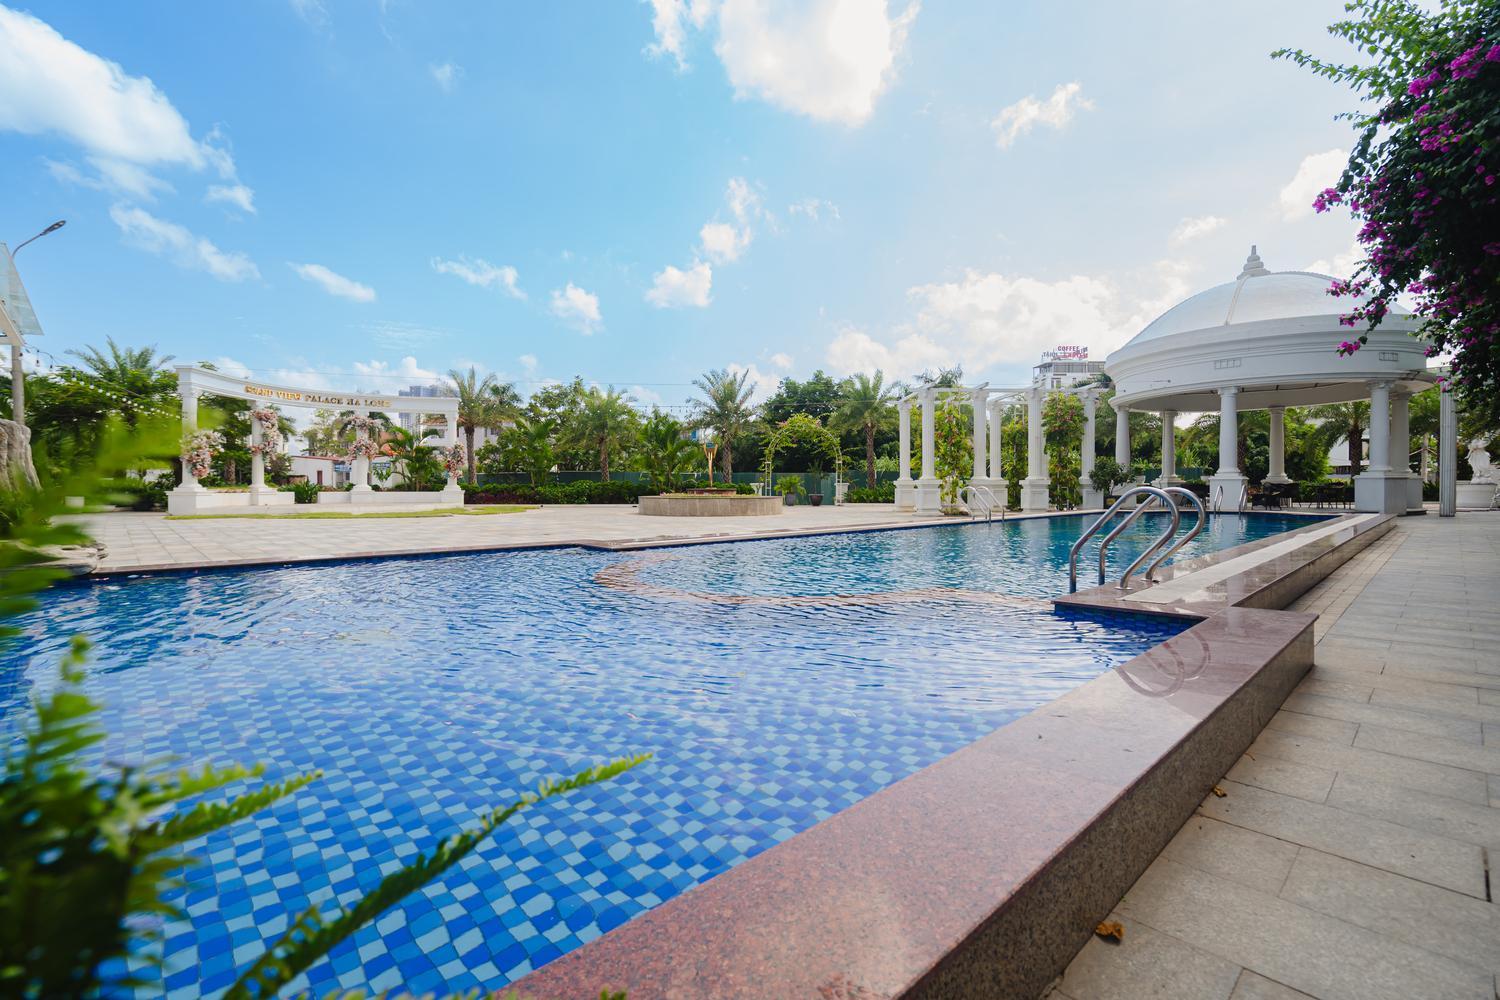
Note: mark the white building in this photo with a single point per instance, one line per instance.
(1065, 366)
(320, 469)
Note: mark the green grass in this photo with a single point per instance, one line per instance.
(325, 515)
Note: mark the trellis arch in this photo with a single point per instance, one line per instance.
(804, 430)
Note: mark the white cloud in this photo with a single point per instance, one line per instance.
(827, 59)
(123, 123)
(988, 319)
(667, 17)
(781, 360)
(394, 336)
(193, 252)
(742, 199)
(334, 283)
(314, 12)
(237, 195)
(765, 383)
(1316, 172)
(407, 370)
(529, 362)
(1026, 114)
(814, 209)
(722, 243)
(645, 396)
(482, 273)
(112, 175)
(1340, 265)
(673, 288)
(577, 308)
(1196, 226)
(446, 75)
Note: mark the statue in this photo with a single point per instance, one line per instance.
(1479, 460)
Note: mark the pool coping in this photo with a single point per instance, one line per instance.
(983, 874)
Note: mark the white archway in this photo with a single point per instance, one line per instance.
(191, 497)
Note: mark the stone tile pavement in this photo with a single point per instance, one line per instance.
(139, 542)
(1351, 854)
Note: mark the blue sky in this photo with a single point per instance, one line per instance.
(359, 194)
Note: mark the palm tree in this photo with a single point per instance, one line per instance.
(666, 452)
(133, 380)
(1346, 420)
(606, 421)
(122, 365)
(420, 468)
(478, 405)
(867, 406)
(725, 408)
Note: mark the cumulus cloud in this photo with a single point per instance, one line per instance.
(196, 253)
(529, 363)
(237, 195)
(814, 209)
(781, 360)
(673, 288)
(577, 308)
(1316, 172)
(1193, 227)
(765, 383)
(827, 59)
(123, 123)
(334, 283)
(988, 319)
(723, 243)
(1026, 114)
(446, 75)
(482, 273)
(1340, 265)
(407, 369)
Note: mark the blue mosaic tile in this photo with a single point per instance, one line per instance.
(430, 690)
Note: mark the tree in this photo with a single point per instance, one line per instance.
(725, 409)
(867, 405)
(527, 445)
(1423, 176)
(419, 465)
(1344, 420)
(125, 367)
(665, 450)
(477, 406)
(559, 407)
(606, 423)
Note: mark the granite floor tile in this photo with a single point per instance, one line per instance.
(1436, 920)
(1290, 944)
(1414, 853)
(1256, 987)
(1147, 963)
(1408, 772)
(1468, 822)
(1313, 685)
(1452, 708)
(1394, 718)
(1430, 748)
(1301, 780)
(1240, 855)
(1320, 727)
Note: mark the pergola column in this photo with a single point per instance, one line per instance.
(1035, 492)
(1122, 434)
(928, 499)
(1227, 486)
(996, 410)
(452, 492)
(1276, 472)
(188, 393)
(1091, 497)
(1380, 489)
(979, 401)
(257, 460)
(905, 490)
(1401, 448)
(1168, 475)
(359, 471)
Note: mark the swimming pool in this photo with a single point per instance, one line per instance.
(777, 682)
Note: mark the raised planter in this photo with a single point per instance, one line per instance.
(202, 501)
(707, 505)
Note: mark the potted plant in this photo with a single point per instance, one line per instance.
(790, 488)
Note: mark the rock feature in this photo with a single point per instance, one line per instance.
(15, 455)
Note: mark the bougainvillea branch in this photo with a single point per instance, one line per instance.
(1422, 178)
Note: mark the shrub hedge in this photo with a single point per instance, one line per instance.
(614, 491)
(881, 493)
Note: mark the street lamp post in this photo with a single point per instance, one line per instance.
(17, 376)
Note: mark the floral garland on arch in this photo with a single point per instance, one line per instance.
(357, 423)
(198, 452)
(363, 448)
(270, 432)
(455, 459)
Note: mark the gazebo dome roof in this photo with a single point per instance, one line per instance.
(1254, 295)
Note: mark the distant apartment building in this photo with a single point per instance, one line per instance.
(482, 435)
(1065, 366)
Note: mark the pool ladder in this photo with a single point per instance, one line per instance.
(1162, 495)
(982, 502)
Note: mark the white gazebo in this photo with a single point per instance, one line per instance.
(1267, 340)
(191, 497)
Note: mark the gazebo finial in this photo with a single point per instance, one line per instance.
(1253, 266)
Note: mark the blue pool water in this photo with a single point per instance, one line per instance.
(429, 689)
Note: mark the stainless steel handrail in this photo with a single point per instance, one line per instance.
(1093, 529)
(1197, 529)
(1166, 536)
(986, 500)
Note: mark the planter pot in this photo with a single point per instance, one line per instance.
(790, 499)
(816, 499)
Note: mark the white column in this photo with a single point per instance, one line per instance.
(1229, 431)
(906, 496)
(1035, 493)
(1091, 497)
(359, 472)
(1380, 489)
(1401, 449)
(1380, 427)
(257, 460)
(928, 488)
(1276, 472)
(1168, 475)
(189, 395)
(1122, 434)
(997, 447)
(978, 400)
(17, 386)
